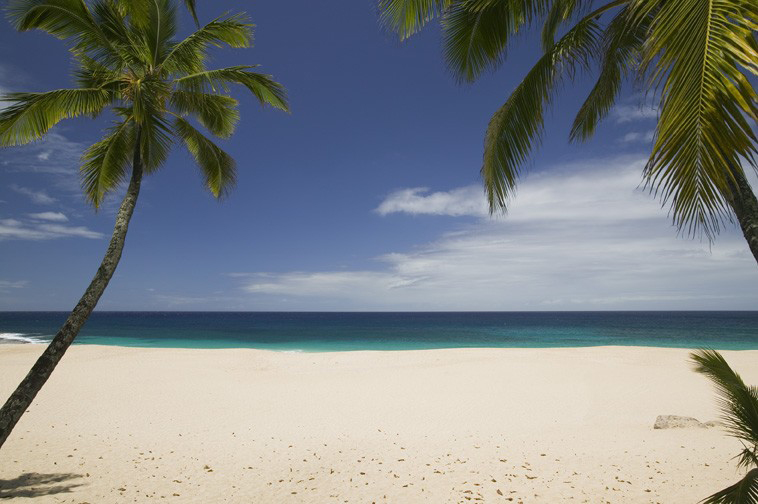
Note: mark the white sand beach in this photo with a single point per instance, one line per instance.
(463, 425)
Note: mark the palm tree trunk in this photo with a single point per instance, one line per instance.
(24, 394)
(745, 206)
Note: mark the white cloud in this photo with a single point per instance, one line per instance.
(38, 197)
(13, 229)
(463, 201)
(629, 113)
(638, 137)
(49, 216)
(3, 104)
(7, 285)
(581, 237)
(53, 154)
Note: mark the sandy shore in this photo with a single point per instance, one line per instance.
(512, 425)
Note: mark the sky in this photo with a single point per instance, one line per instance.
(366, 197)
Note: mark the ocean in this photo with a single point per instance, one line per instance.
(330, 331)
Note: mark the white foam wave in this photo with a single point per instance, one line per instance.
(9, 337)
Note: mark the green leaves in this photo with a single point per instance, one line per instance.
(105, 163)
(406, 17)
(739, 408)
(218, 167)
(218, 113)
(188, 56)
(475, 39)
(698, 50)
(31, 115)
(738, 402)
(516, 127)
(744, 491)
(262, 86)
(65, 19)
(623, 39)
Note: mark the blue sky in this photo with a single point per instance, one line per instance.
(366, 197)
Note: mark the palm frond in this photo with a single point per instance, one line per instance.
(125, 47)
(189, 55)
(91, 73)
(190, 5)
(476, 33)
(217, 113)
(623, 39)
(517, 126)
(748, 457)
(262, 86)
(699, 51)
(159, 31)
(407, 17)
(156, 139)
(105, 163)
(65, 19)
(559, 12)
(31, 115)
(138, 11)
(744, 491)
(738, 402)
(218, 167)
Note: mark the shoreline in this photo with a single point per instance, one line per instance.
(230, 425)
(77, 344)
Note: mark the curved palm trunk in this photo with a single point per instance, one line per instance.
(745, 206)
(24, 394)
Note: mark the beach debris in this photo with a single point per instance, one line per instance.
(681, 422)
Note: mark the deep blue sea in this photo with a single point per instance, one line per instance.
(317, 332)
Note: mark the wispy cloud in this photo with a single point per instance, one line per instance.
(53, 154)
(628, 113)
(49, 216)
(8, 285)
(40, 197)
(418, 201)
(638, 137)
(582, 237)
(15, 229)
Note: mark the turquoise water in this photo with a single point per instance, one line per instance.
(315, 332)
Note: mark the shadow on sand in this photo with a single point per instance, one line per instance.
(37, 485)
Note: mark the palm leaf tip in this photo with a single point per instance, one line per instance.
(263, 87)
(517, 127)
(31, 115)
(407, 17)
(744, 491)
(218, 168)
(738, 402)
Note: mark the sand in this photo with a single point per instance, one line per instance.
(461, 425)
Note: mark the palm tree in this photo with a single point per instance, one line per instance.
(129, 63)
(693, 55)
(739, 407)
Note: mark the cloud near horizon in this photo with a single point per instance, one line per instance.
(579, 237)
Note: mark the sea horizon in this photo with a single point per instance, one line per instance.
(329, 331)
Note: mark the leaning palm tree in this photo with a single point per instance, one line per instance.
(694, 56)
(128, 62)
(739, 407)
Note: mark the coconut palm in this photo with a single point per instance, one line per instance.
(155, 87)
(695, 56)
(739, 407)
